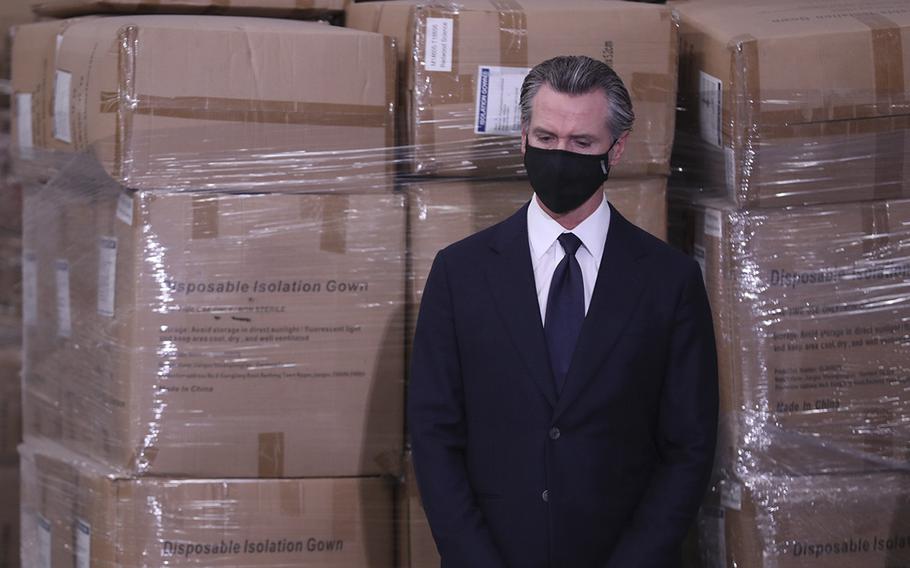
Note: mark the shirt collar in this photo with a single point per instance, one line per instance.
(543, 230)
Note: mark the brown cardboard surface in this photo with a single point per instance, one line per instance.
(270, 8)
(438, 124)
(810, 312)
(100, 520)
(9, 516)
(417, 549)
(790, 103)
(12, 13)
(840, 521)
(212, 334)
(222, 102)
(10, 401)
(10, 282)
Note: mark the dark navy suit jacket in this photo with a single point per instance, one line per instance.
(609, 472)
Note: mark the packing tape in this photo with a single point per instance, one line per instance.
(291, 495)
(205, 217)
(391, 93)
(143, 458)
(745, 69)
(248, 110)
(127, 39)
(271, 454)
(513, 33)
(876, 226)
(328, 214)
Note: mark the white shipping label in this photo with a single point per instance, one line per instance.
(83, 544)
(29, 288)
(62, 107)
(730, 169)
(498, 102)
(44, 543)
(699, 254)
(24, 120)
(107, 275)
(710, 108)
(64, 319)
(125, 208)
(713, 224)
(438, 55)
(731, 495)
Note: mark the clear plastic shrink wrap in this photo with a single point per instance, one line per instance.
(79, 513)
(462, 64)
(214, 273)
(789, 186)
(788, 103)
(215, 260)
(271, 8)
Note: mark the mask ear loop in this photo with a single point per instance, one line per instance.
(605, 163)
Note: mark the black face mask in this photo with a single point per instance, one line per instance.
(564, 180)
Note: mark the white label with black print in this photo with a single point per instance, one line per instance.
(125, 207)
(498, 102)
(714, 226)
(730, 169)
(62, 85)
(29, 288)
(107, 275)
(26, 138)
(64, 317)
(438, 53)
(83, 544)
(710, 108)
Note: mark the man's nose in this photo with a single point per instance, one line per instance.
(562, 144)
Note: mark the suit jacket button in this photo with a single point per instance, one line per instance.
(545, 496)
(554, 433)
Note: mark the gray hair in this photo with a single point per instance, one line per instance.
(579, 75)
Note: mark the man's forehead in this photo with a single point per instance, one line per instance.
(564, 114)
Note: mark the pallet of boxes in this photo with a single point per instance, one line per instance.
(214, 279)
(12, 13)
(791, 188)
(460, 73)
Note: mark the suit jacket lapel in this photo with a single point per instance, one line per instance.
(511, 279)
(614, 300)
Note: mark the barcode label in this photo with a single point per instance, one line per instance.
(107, 275)
(125, 208)
(29, 288)
(24, 120)
(713, 224)
(64, 319)
(438, 54)
(62, 107)
(83, 544)
(710, 108)
(498, 103)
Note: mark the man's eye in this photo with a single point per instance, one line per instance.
(582, 144)
(544, 138)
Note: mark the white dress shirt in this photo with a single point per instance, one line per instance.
(546, 252)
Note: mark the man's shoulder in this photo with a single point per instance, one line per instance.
(663, 257)
(470, 248)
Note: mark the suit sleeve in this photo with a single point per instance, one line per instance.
(436, 422)
(686, 438)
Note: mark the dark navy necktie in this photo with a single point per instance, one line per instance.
(565, 309)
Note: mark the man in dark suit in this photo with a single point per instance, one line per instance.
(563, 397)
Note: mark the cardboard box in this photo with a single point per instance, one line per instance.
(10, 400)
(416, 546)
(212, 334)
(12, 13)
(811, 317)
(234, 104)
(9, 516)
(10, 283)
(839, 521)
(98, 519)
(445, 211)
(269, 8)
(443, 50)
(795, 103)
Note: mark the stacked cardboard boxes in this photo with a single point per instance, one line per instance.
(461, 68)
(214, 293)
(12, 13)
(791, 156)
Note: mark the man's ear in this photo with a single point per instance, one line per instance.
(618, 148)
